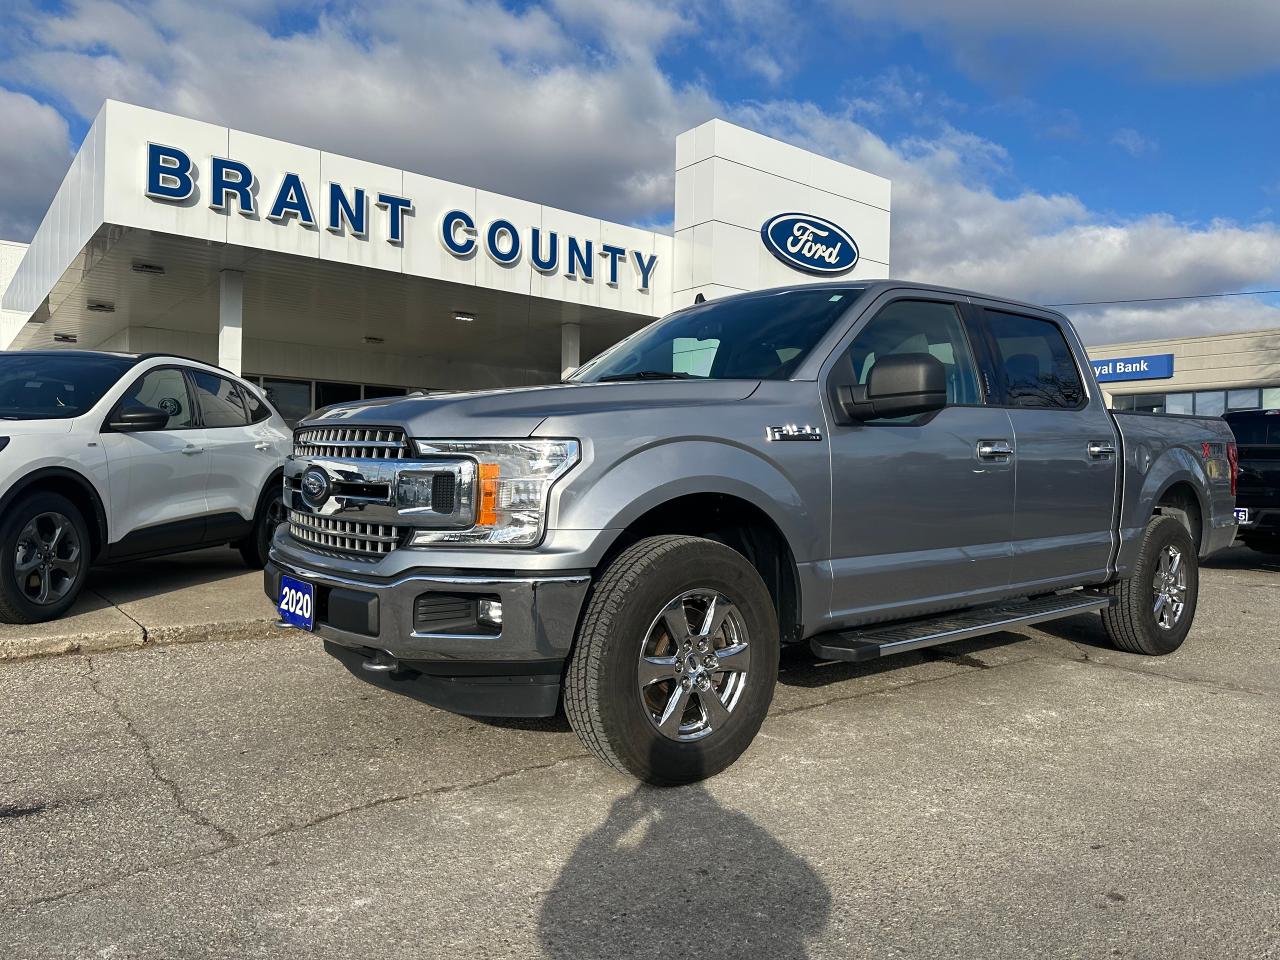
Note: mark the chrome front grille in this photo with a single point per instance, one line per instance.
(364, 443)
(350, 537)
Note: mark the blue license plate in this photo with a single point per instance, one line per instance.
(297, 602)
(1242, 514)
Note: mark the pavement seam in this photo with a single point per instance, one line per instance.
(231, 842)
(1220, 685)
(169, 784)
(146, 634)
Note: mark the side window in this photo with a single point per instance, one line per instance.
(919, 326)
(258, 410)
(165, 389)
(1039, 370)
(221, 404)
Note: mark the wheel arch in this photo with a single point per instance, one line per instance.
(739, 524)
(77, 488)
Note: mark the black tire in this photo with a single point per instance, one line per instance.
(1131, 622)
(270, 514)
(64, 573)
(603, 695)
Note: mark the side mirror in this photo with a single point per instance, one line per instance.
(138, 419)
(900, 385)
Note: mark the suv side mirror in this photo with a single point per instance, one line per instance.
(137, 419)
(900, 385)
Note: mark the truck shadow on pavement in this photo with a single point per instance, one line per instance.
(675, 873)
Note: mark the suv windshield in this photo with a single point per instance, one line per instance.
(43, 386)
(762, 336)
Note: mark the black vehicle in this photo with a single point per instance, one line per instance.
(1258, 495)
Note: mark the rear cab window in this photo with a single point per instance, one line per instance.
(1034, 362)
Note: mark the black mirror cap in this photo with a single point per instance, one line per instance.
(900, 385)
(137, 419)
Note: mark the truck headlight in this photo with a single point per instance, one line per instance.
(509, 488)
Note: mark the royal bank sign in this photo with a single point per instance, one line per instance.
(351, 209)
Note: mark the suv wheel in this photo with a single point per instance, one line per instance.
(45, 558)
(675, 662)
(270, 514)
(1153, 610)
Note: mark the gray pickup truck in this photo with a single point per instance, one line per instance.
(863, 467)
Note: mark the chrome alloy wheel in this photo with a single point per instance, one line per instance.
(693, 664)
(48, 558)
(1170, 588)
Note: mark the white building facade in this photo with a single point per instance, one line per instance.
(328, 278)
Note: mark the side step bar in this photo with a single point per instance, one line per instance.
(868, 643)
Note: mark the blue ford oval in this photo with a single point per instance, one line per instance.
(812, 244)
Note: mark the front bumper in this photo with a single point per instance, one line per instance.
(1264, 523)
(370, 624)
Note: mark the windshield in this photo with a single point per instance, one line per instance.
(760, 337)
(42, 386)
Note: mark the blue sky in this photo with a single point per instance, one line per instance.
(1055, 152)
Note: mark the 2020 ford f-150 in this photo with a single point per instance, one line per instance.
(864, 467)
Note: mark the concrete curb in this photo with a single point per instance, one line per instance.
(133, 638)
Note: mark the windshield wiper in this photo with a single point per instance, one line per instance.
(645, 375)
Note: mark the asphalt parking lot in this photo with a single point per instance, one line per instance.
(1031, 794)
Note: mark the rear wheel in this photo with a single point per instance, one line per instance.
(1153, 610)
(675, 662)
(255, 547)
(45, 558)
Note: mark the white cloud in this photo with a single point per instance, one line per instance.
(951, 227)
(1172, 37)
(1132, 142)
(568, 104)
(34, 154)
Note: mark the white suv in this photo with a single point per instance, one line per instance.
(107, 456)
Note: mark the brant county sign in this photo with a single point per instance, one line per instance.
(810, 244)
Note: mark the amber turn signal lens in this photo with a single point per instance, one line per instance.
(487, 514)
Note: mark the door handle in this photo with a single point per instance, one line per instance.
(997, 450)
(192, 451)
(262, 445)
(1101, 449)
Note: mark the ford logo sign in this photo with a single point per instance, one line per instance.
(315, 486)
(811, 244)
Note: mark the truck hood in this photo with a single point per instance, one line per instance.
(516, 412)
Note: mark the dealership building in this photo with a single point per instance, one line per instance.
(1203, 375)
(327, 278)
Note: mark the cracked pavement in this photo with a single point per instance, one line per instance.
(1029, 794)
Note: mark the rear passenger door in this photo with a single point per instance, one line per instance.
(241, 459)
(1065, 449)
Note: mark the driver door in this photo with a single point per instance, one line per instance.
(158, 477)
(922, 509)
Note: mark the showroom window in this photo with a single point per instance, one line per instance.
(295, 399)
(1205, 403)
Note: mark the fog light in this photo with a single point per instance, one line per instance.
(490, 612)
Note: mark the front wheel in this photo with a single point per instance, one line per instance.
(675, 661)
(1152, 611)
(45, 559)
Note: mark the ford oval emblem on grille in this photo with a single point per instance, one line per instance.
(315, 486)
(811, 244)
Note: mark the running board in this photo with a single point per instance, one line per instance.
(868, 643)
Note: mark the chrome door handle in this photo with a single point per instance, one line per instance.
(1101, 450)
(998, 450)
(192, 451)
(262, 445)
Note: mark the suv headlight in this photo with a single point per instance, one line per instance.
(509, 488)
